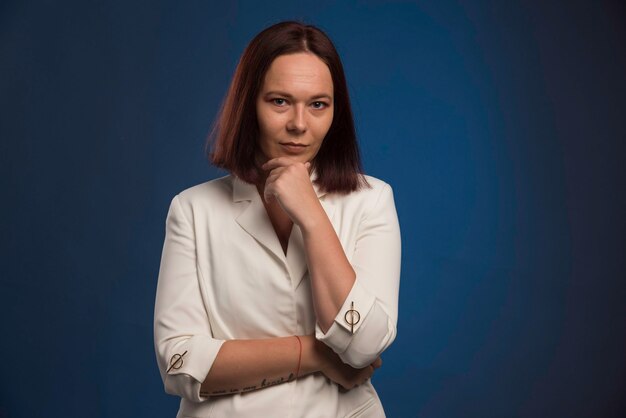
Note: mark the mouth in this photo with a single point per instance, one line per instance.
(295, 144)
(293, 148)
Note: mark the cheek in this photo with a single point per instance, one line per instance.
(323, 127)
(261, 118)
(269, 122)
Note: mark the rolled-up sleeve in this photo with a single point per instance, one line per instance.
(366, 323)
(184, 346)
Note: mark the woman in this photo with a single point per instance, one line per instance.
(278, 285)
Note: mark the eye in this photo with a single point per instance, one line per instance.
(279, 102)
(319, 105)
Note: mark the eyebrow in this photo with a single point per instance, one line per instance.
(282, 93)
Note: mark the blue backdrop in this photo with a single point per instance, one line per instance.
(500, 125)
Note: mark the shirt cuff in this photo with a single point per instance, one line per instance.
(348, 321)
(194, 359)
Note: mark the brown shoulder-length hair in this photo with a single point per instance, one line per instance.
(235, 132)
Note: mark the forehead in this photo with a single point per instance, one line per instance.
(299, 73)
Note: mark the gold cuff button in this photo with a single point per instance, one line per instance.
(176, 362)
(352, 317)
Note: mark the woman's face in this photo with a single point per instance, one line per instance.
(294, 107)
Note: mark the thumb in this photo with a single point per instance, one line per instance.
(377, 363)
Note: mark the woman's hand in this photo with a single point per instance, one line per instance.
(344, 375)
(290, 184)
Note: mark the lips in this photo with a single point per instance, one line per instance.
(293, 147)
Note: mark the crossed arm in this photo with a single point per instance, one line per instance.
(346, 358)
(246, 365)
(243, 365)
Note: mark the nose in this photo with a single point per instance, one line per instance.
(297, 122)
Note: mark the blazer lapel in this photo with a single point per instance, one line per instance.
(296, 256)
(255, 221)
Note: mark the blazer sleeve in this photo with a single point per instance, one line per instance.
(184, 346)
(374, 294)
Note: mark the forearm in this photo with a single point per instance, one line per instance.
(372, 299)
(331, 274)
(245, 365)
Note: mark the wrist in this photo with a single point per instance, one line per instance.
(314, 356)
(314, 219)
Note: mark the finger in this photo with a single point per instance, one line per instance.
(377, 363)
(362, 381)
(268, 197)
(271, 178)
(277, 170)
(269, 194)
(277, 162)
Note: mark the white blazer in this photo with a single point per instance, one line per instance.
(224, 275)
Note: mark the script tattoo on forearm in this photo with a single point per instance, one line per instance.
(264, 383)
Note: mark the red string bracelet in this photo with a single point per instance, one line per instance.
(299, 356)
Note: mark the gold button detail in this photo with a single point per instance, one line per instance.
(176, 362)
(352, 317)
